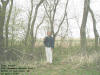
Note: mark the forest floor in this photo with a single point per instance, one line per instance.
(66, 61)
(70, 62)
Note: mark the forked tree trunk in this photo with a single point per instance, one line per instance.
(51, 15)
(33, 23)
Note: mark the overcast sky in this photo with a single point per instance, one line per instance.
(75, 8)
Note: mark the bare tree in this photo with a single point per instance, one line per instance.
(83, 26)
(7, 23)
(29, 22)
(35, 36)
(33, 23)
(51, 15)
(15, 14)
(2, 20)
(94, 28)
(67, 26)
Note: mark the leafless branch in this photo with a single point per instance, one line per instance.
(62, 19)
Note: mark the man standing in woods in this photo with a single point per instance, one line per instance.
(49, 46)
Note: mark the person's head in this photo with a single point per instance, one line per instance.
(49, 33)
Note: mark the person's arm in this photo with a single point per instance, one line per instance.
(52, 43)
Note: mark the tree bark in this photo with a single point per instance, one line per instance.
(33, 23)
(7, 23)
(94, 28)
(1, 30)
(83, 26)
(29, 22)
(2, 20)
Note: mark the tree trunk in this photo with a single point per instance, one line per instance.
(83, 27)
(29, 22)
(1, 30)
(32, 27)
(2, 20)
(7, 23)
(94, 28)
(37, 28)
(33, 23)
(12, 39)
